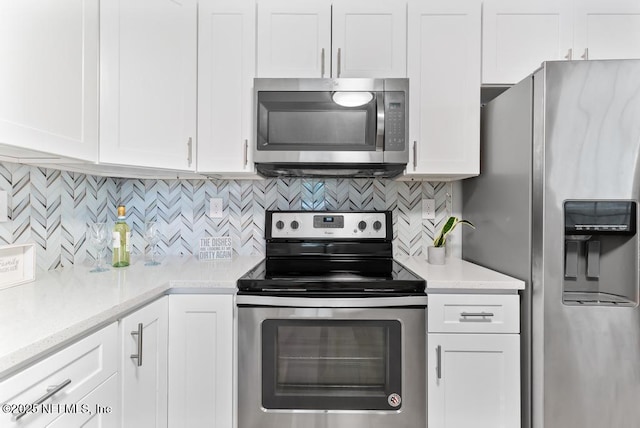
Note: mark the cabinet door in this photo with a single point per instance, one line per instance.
(369, 38)
(607, 29)
(201, 361)
(294, 38)
(226, 68)
(49, 76)
(444, 73)
(148, 83)
(518, 35)
(144, 382)
(473, 380)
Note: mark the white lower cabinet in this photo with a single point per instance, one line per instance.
(201, 361)
(144, 366)
(55, 388)
(473, 361)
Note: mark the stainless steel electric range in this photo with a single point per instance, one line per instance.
(331, 329)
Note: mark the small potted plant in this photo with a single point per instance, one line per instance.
(436, 252)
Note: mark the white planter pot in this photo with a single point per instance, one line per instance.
(436, 255)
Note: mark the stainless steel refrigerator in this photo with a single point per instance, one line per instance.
(556, 206)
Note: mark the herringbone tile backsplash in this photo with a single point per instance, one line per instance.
(52, 209)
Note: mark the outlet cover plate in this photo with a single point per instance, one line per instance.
(215, 208)
(428, 209)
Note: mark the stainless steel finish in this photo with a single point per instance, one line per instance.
(318, 302)
(322, 63)
(308, 229)
(139, 334)
(336, 156)
(570, 131)
(246, 153)
(476, 314)
(251, 414)
(439, 362)
(380, 127)
(339, 62)
(189, 151)
(569, 54)
(51, 391)
(585, 55)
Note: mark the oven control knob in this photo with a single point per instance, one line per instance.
(362, 225)
(279, 224)
(377, 225)
(294, 225)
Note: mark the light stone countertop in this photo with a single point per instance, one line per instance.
(460, 276)
(61, 306)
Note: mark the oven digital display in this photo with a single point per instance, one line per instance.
(328, 222)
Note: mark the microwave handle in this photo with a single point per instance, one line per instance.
(380, 124)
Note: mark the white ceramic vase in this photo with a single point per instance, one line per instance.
(436, 255)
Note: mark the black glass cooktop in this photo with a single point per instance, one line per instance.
(316, 277)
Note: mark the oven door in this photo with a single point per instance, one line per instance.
(331, 366)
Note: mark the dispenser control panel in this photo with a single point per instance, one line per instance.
(599, 217)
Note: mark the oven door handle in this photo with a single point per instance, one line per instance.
(324, 302)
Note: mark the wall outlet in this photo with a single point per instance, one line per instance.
(215, 208)
(428, 209)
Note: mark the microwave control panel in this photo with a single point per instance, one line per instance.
(394, 121)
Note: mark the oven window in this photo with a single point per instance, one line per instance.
(331, 364)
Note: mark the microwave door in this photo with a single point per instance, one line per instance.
(313, 127)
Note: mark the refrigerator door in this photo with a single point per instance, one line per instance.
(586, 357)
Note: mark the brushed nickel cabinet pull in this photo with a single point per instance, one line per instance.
(138, 333)
(246, 153)
(476, 314)
(339, 61)
(439, 362)
(189, 151)
(322, 63)
(569, 54)
(415, 155)
(585, 55)
(51, 391)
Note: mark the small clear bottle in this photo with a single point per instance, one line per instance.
(121, 240)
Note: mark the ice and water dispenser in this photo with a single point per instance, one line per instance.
(600, 253)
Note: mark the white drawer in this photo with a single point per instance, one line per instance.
(473, 313)
(75, 370)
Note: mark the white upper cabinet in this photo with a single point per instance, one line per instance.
(518, 35)
(148, 61)
(444, 104)
(323, 38)
(294, 38)
(607, 29)
(226, 68)
(369, 38)
(49, 77)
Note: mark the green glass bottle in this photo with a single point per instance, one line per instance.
(121, 240)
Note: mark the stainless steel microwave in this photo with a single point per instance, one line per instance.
(331, 127)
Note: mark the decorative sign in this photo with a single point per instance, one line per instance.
(215, 248)
(17, 264)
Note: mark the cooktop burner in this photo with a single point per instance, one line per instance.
(322, 254)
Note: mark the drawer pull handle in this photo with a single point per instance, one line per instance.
(439, 362)
(476, 314)
(51, 391)
(138, 356)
